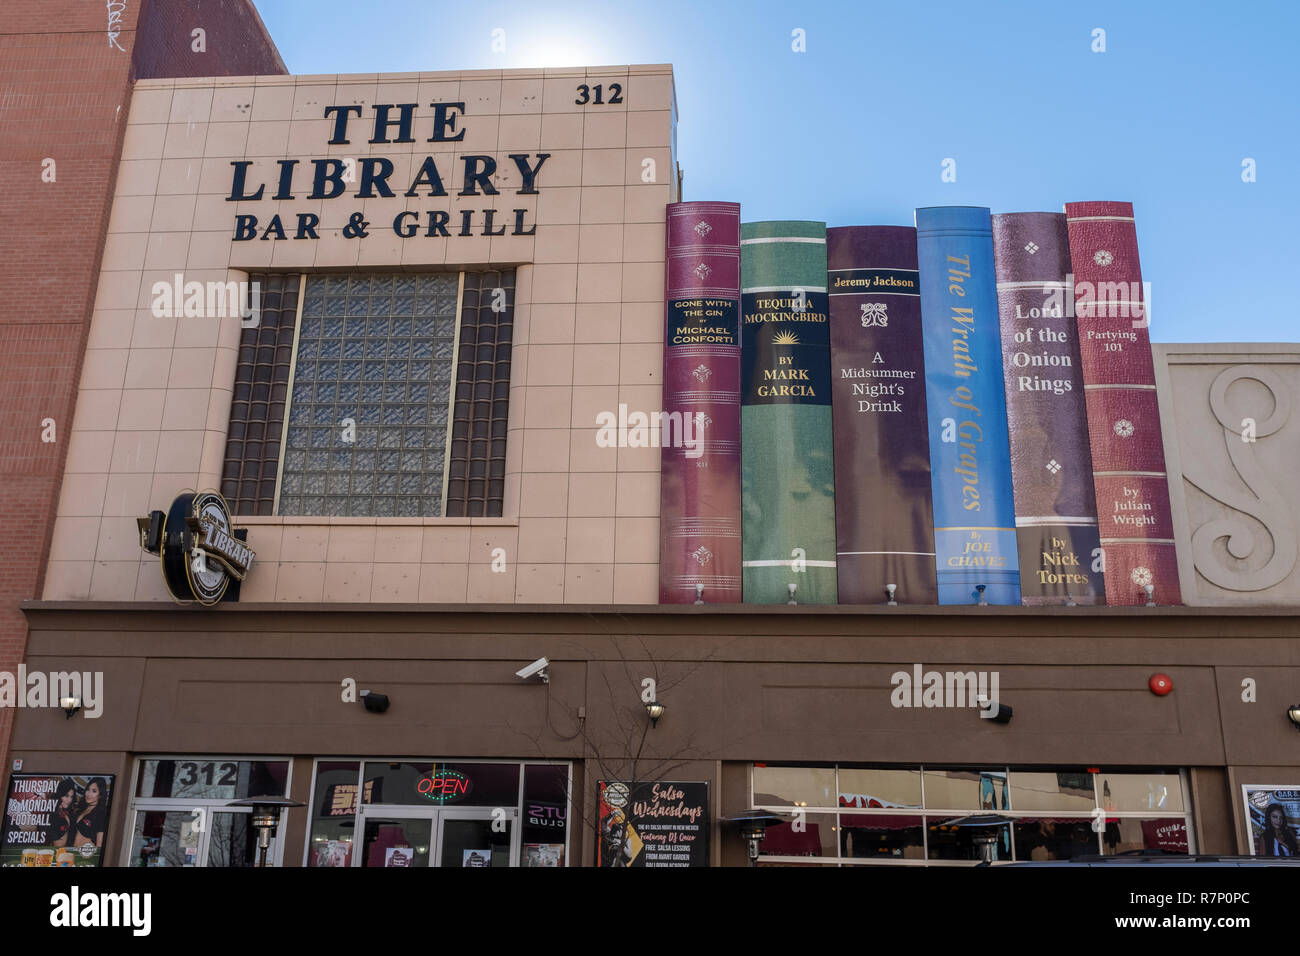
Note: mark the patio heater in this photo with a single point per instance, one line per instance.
(265, 816)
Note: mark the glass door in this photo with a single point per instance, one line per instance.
(395, 836)
(478, 837)
(202, 836)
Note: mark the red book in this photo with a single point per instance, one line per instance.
(1128, 456)
(699, 543)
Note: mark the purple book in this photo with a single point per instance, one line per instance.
(884, 523)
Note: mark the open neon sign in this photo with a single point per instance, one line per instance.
(444, 786)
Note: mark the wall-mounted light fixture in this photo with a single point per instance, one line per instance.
(1293, 715)
(70, 705)
(655, 710)
(375, 703)
(890, 589)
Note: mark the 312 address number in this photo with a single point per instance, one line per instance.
(586, 97)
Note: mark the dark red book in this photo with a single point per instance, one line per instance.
(1128, 456)
(699, 432)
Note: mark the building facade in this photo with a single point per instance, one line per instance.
(382, 316)
(69, 69)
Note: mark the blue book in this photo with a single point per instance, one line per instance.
(970, 456)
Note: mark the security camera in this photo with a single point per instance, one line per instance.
(536, 669)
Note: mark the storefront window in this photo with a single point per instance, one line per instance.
(233, 841)
(445, 784)
(204, 778)
(333, 812)
(545, 814)
(180, 814)
(950, 838)
(864, 789)
(894, 814)
(396, 842)
(1129, 835)
(966, 790)
(1064, 791)
(165, 838)
(489, 784)
(394, 783)
(877, 836)
(439, 813)
(1141, 791)
(814, 834)
(794, 786)
(473, 843)
(1046, 838)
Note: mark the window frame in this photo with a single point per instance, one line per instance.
(926, 814)
(137, 805)
(517, 837)
(454, 360)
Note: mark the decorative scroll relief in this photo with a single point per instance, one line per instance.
(1267, 506)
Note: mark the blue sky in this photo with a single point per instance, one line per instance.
(855, 129)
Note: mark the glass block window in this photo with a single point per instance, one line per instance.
(477, 471)
(260, 389)
(367, 431)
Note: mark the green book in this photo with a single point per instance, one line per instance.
(787, 464)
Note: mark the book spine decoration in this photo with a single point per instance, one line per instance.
(1051, 466)
(699, 430)
(1128, 457)
(883, 516)
(974, 513)
(787, 472)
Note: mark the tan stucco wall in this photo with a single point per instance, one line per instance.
(1236, 503)
(580, 522)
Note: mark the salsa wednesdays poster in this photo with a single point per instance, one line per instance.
(652, 824)
(55, 819)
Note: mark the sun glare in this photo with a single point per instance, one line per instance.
(553, 49)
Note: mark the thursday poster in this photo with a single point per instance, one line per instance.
(55, 819)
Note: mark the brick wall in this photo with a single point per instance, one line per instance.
(65, 97)
(235, 39)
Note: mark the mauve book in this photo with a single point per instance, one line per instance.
(699, 548)
(1051, 466)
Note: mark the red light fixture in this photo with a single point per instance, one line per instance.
(1160, 684)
